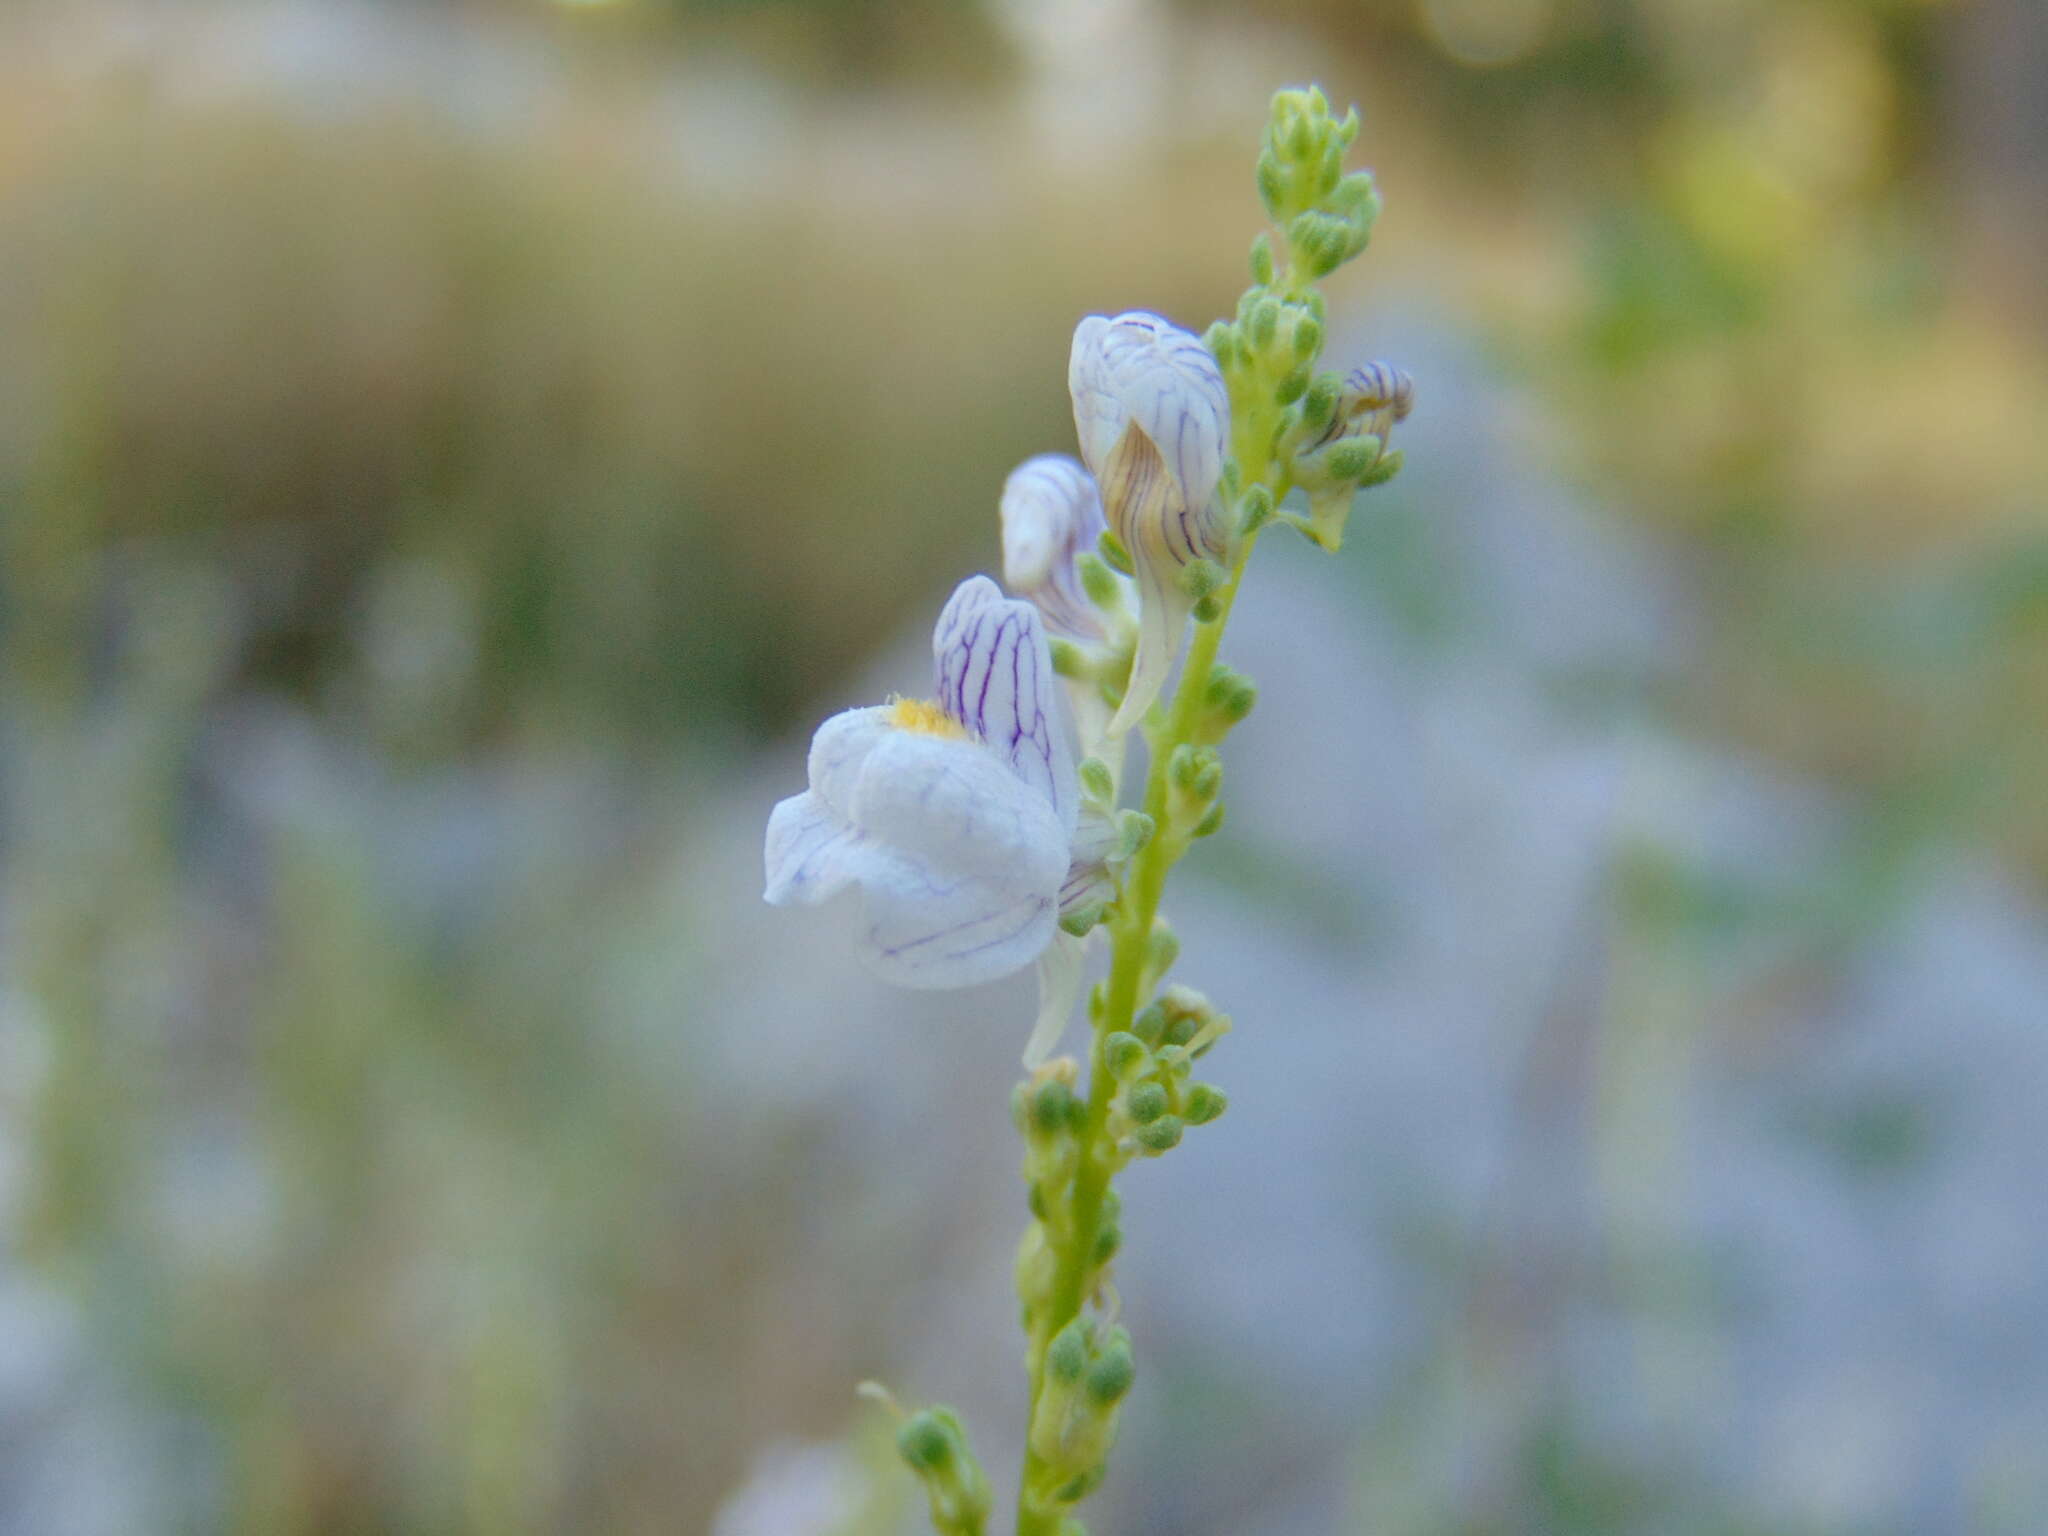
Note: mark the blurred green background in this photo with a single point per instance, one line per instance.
(449, 456)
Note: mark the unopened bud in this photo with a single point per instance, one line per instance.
(1205, 1102)
(1125, 1055)
(1066, 1357)
(1110, 1377)
(1146, 1103)
(1162, 1135)
(1096, 780)
(1254, 509)
(1350, 459)
(1262, 259)
(924, 1443)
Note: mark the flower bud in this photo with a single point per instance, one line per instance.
(934, 1444)
(1125, 1056)
(1262, 259)
(1052, 517)
(1205, 1102)
(1350, 449)
(1145, 1103)
(1162, 1135)
(1097, 782)
(1254, 509)
(1153, 417)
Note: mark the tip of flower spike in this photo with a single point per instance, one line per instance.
(925, 718)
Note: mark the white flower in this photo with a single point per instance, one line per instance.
(1052, 515)
(954, 816)
(1153, 417)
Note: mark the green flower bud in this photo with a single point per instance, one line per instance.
(1110, 1377)
(1150, 1024)
(1265, 321)
(1208, 780)
(1331, 170)
(1096, 780)
(1113, 553)
(1210, 824)
(1066, 1357)
(1205, 1102)
(1051, 1107)
(1207, 610)
(1254, 509)
(1164, 949)
(1174, 1060)
(1181, 1027)
(1319, 404)
(1083, 920)
(1162, 1135)
(1108, 1238)
(1301, 139)
(924, 1443)
(1272, 184)
(1384, 469)
(1262, 259)
(1353, 457)
(1068, 659)
(1198, 578)
(1294, 385)
(1098, 580)
(1134, 830)
(1125, 1056)
(1308, 336)
(1146, 1103)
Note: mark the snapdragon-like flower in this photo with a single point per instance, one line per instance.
(1352, 450)
(1153, 417)
(1052, 521)
(955, 816)
(1052, 515)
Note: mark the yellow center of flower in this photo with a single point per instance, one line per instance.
(926, 717)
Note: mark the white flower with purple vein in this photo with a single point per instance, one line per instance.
(954, 816)
(1153, 417)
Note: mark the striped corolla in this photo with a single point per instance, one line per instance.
(955, 816)
(1153, 417)
(1052, 516)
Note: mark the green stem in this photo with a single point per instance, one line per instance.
(1130, 949)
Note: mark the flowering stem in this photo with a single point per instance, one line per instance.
(1130, 952)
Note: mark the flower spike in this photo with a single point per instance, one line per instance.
(1153, 417)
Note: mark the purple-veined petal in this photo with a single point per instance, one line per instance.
(956, 805)
(812, 854)
(1139, 367)
(995, 677)
(932, 928)
(1052, 514)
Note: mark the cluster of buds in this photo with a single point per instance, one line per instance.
(933, 1443)
(1051, 1118)
(1330, 431)
(1153, 1063)
(1088, 1370)
(1194, 786)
